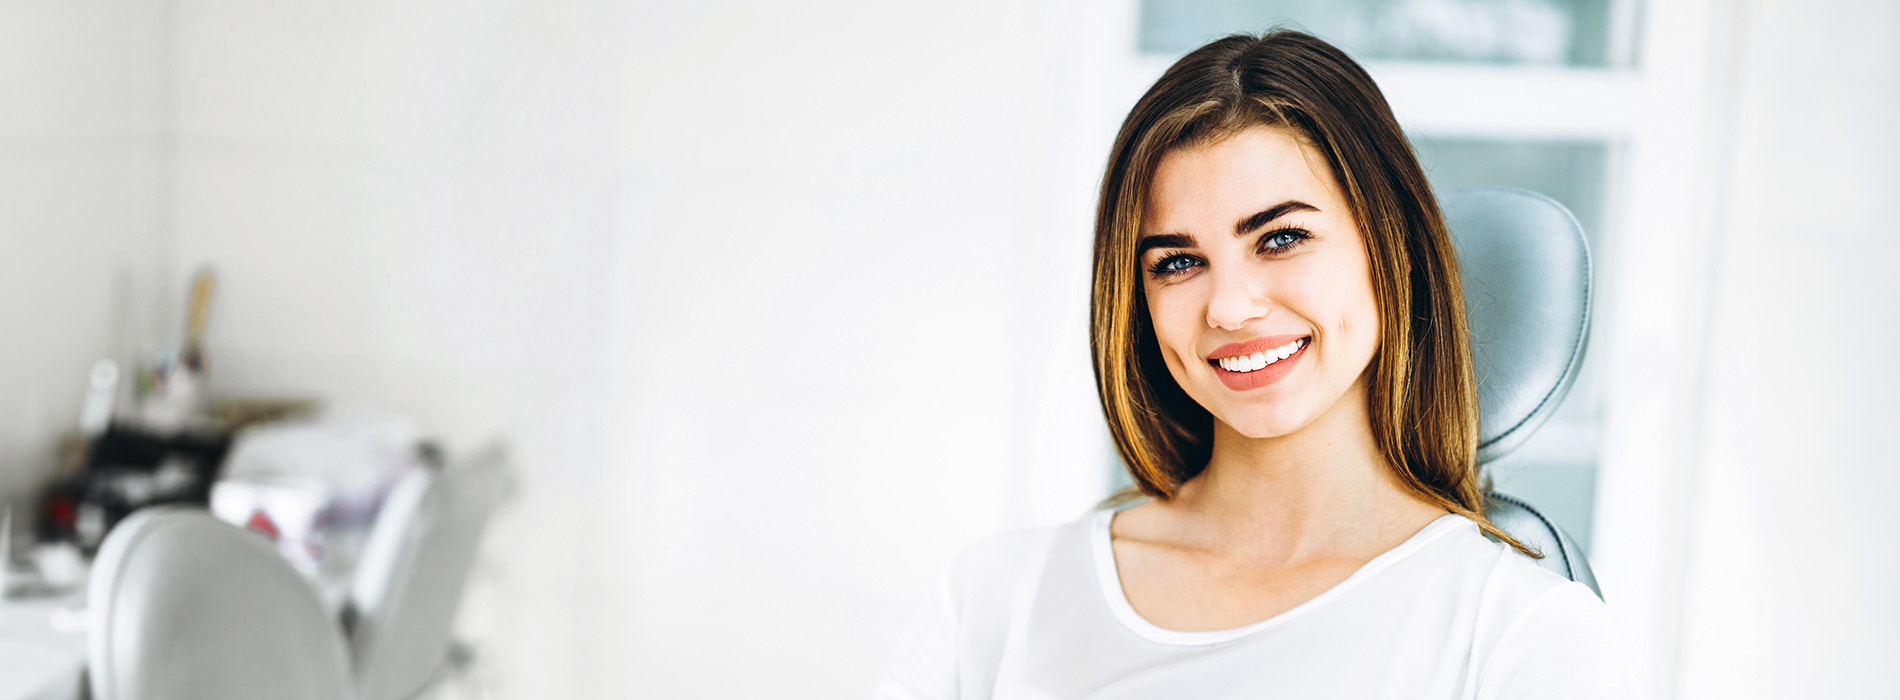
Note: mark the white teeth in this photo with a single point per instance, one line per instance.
(1258, 360)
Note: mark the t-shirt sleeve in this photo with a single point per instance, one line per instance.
(923, 666)
(1564, 646)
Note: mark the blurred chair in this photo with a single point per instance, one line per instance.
(1526, 271)
(412, 573)
(184, 606)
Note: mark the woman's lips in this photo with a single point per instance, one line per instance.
(1238, 354)
(1250, 347)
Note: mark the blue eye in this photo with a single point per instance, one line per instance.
(1283, 240)
(1173, 265)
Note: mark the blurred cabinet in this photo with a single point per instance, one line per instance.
(1582, 33)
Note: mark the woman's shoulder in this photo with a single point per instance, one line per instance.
(1535, 627)
(1562, 644)
(1507, 583)
(999, 562)
(952, 639)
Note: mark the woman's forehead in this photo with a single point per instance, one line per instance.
(1235, 176)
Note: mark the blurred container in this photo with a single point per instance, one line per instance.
(315, 486)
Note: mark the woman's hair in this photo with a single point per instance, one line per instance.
(1421, 398)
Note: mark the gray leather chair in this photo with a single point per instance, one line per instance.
(184, 606)
(1526, 271)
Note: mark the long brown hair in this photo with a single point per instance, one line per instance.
(1421, 398)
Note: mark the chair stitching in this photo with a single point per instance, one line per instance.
(1576, 350)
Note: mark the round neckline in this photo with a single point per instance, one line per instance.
(1108, 576)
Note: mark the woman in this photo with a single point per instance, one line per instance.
(1280, 348)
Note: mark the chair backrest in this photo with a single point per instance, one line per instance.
(184, 606)
(1561, 554)
(1526, 271)
(413, 570)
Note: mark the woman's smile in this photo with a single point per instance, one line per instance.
(1258, 362)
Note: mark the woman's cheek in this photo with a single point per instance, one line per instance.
(1359, 324)
(1165, 316)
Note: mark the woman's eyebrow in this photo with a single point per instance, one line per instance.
(1266, 216)
(1165, 240)
(1246, 226)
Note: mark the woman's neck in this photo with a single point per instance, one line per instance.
(1324, 490)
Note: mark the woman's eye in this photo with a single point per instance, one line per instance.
(1173, 264)
(1284, 239)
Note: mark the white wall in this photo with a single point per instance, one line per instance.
(1791, 577)
(853, 336)
(413, 205)
(81, 166)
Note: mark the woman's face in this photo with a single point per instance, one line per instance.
(1257, 283)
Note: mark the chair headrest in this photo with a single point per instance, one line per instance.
(1526, 270)
(184, 605)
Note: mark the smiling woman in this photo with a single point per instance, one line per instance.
(1282, 355)
(1210, 298)
(1217, 136)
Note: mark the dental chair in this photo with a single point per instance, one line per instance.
(184, 606)
(1526, 271)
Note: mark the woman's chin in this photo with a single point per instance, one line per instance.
(1263, 424)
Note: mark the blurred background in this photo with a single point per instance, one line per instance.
(777, 306)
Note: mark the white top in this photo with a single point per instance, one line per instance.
(1446, 614)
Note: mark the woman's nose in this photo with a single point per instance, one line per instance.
(1238, 300)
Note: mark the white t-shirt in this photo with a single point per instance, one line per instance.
(1446, 614)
